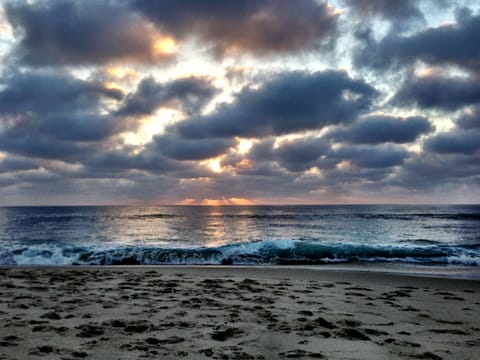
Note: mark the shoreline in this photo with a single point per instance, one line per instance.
(454, 272)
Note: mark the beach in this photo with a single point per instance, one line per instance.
(195, 312)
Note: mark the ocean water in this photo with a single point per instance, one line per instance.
(259, 235)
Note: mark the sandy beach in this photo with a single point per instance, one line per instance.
(234, 313)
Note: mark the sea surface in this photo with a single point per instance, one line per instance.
(238, 235)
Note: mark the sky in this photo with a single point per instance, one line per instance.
(239, 102)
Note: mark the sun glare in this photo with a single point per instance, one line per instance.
(244, 145)
(121, 72)
(113, 86)
(152, 125)
(226, 201)
(165, 46)
(213, 164)
(425, 72)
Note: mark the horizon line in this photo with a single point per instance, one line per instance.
(243, 205)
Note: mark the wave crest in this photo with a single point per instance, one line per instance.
(253, 253)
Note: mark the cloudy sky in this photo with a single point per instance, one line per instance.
(238, 102)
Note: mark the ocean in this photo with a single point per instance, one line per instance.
(240, 235)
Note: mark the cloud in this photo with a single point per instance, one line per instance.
(81, 33)
(457, 141)
(429, 170)
(44, 92)
(177, 148)
(189, 94)
(367, 156)
(287, 103)
(13, 164)
(296, 155)
(401, 13)
(253, 26)
(302, 154)
(377, 129)
(469, 119)
(461, 140)
(453, 44)
(54, 115)
(439, 91)
(125, 159)
(42, 146)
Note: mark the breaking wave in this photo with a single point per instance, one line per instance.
(280, 252)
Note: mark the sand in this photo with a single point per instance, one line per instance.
(234, 313)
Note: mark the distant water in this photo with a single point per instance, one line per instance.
(426, 235)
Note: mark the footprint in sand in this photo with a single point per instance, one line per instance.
(89, 330)
(222, 334)
(299, 353)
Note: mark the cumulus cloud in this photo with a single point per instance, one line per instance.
(13, 164)
(54, 115)
(439, 91)
(469, 119)
(288, 102)
(377, 129)
(112, 161)
(295, 155)
(253, 26)
(188, 94)
(400, 13)
(177, 148)
(305, 153)
(302, 154)
(44, 92)
(429, 170)
(81, 32)
(365, 156)
(453, 44)
(456, 141)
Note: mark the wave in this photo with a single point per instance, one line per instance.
(281, 252)
(301, 217)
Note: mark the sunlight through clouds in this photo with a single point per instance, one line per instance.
(267, 101)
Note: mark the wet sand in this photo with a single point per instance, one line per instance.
(234, 313)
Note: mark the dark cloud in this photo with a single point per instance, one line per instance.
(469, 119)
(262, 150)
(12, 164)
(302, 154)
(305, 153)
(439, 91)
(126, 159)
(164, 154)
(80, 32)
(29, 178)
(294, 155)
(50, 92)
(365, 156)
(270, 171)
(42, 146)
(456, 141)
(454, 44)
(262, 169)
(177, 148)
(53, 115)
(429, 170)
(377, 129)
(255, 26)
(400, 13)
(189, 94)
(287, 103)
